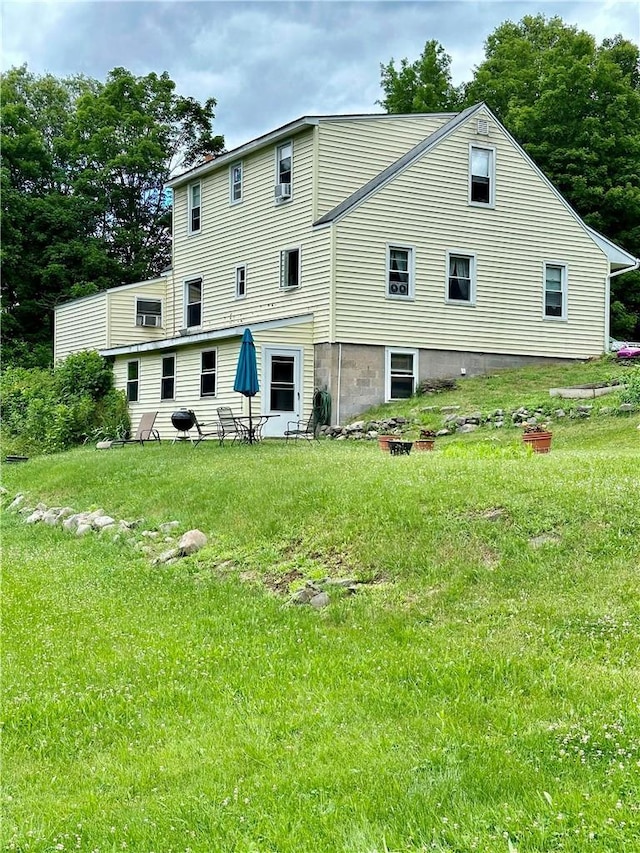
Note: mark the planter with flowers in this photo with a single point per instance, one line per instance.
(426, 440)
(537, 437)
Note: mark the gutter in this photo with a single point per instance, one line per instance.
(607, 321)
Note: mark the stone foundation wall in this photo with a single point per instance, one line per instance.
(358, 371)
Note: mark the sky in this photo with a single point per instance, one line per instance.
(267, 63)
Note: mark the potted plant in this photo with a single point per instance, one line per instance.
(537, 437)
(426, 440)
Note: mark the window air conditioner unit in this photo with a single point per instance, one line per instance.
(399, 289)
(147, 320)
(483, 127)
(282, 191)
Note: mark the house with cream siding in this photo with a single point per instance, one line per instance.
(366, 254)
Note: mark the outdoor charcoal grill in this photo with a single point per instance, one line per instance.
(183, 420)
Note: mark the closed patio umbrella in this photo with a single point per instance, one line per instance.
(246, 381)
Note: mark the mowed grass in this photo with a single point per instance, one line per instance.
(479, 693)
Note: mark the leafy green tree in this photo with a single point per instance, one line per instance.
(83, 205)
(574, 106)
(423, 86)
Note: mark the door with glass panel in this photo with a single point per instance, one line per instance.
(282, 388)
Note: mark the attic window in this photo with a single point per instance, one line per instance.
(481, 176)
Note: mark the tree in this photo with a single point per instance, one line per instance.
(574, 106)
(422, 86)
(83, 201)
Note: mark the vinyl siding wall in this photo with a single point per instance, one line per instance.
(352, 152)
(187, 377)
(122, 313)
(252, 232)
(427, 207)
(80, 325)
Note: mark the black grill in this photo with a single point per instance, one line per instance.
(183, 420)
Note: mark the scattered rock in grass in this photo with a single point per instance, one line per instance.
(36, 515)
(319, 600)
(83, 528)
(168, 526)
(625, 407)
(544, 539)
(467, 427)
(304, 595)
(191, 542)
(150, 534)
(493, 514)
(16, 503)
(102, 522)
(169, 556)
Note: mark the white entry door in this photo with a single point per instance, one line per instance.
(282, 388)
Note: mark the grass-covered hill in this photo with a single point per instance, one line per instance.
(478, 691)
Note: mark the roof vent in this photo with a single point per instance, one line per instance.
(483, 127)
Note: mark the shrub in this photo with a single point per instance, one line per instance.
(631, 394)
(48, 411)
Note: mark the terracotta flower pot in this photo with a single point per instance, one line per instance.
(383, 442)
(539, 442)
(424, 444)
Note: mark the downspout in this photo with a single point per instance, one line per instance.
(339, 387)
(607, 321)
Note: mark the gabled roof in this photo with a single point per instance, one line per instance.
(283, 132)
(400, 165)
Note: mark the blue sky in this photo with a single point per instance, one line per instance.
(267, 63)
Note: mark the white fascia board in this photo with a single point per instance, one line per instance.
(205, 337)
(617, 256)
(238, 153)
(91, 297)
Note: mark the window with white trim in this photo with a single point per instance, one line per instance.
(195, 208)
(208, 368)
(461, 278)
(133, 378)
(401, 373)
(235, 182)
(193, 302)
(481, 176)
(148, 312)
(400, 272)
(241, 281)
(289, 269)
(555, 291)
(168, 380)
(284, 155)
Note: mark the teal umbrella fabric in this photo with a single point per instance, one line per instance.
(246, 381)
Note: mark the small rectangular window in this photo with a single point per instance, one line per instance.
(194, 208)
(401, 370)
(481, 169)
(461, 278)
(235, 182)
(555, 291)
(148, 312)
(290, 269)
(284, 163)
(168, 381)
(399, 271)
(241, 281)
(133, 377)
(193, 302)
(208, 373)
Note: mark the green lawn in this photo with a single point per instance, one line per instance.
(479, 693)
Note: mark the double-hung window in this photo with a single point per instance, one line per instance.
(133, 378)
(235, 182)
(241, 281)
(481, 176)
(208, 368)
(399, 272)
(401, 373)
(195, 208)
(284, 171)
(193, 302)
(555, 291)
(461, 278)
(289, 269)
(168, 381)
